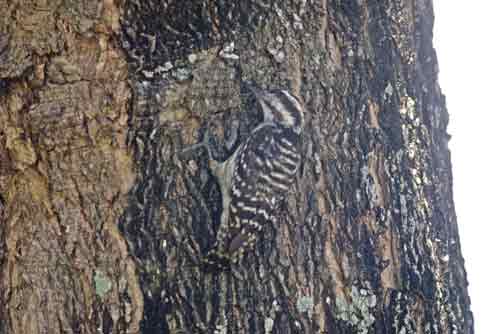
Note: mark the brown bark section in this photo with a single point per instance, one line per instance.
(103, 222)
(65, 170)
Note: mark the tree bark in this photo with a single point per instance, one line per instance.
(103, 222)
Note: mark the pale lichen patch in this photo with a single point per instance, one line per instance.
(102, 284)
(305, 304)
(358, 311)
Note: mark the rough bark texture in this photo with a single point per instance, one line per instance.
(103, 222)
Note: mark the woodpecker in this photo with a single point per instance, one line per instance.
(256, 178)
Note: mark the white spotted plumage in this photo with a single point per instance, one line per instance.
(257, 176)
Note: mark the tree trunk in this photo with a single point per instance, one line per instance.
(103, 222)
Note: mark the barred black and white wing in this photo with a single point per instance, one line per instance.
(257, 177)
(263, 174)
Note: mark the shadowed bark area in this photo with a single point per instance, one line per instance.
(103, 222)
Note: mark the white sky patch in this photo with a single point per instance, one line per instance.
(467, 40)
